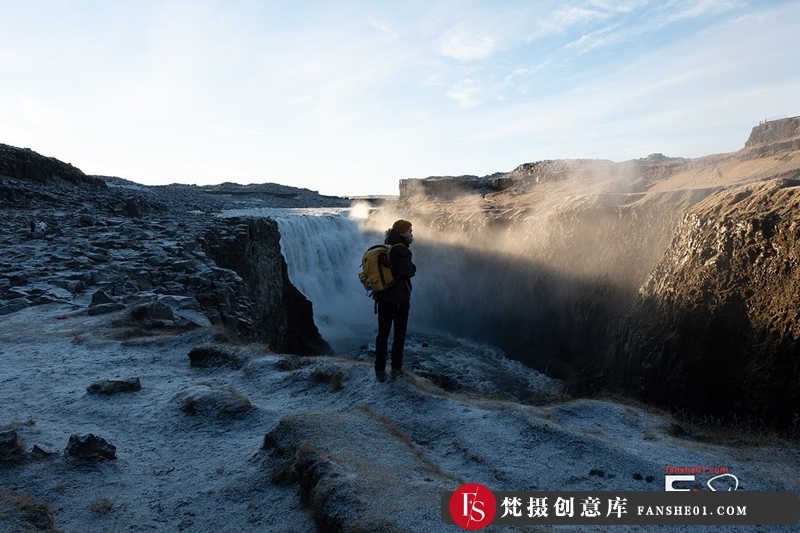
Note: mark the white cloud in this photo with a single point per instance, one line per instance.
(571, 16)
(593, 40)
(467, 48)
(466, 94)
(698, 8)
(316, 97)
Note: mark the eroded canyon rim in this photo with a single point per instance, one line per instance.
(671, 280)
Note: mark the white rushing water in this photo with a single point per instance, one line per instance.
(323, 249)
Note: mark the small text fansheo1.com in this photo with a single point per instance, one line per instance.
(697, 478)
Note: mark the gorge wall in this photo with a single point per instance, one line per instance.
(671, 280)
(717, 322)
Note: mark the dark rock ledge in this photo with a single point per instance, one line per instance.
(68, 237)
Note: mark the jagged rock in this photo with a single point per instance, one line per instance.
(153, 311)
(100, 297)
(171, 311)
(190, 318)
(90, 447)
(110, 386)
(37, 452)
(11, 450)
(716, 326)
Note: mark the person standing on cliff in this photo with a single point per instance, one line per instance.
(394, 303)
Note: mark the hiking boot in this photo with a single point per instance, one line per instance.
(397, 372)
(380, 375)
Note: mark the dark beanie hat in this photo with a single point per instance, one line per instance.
(401, 226)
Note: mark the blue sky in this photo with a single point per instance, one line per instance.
(349, 97)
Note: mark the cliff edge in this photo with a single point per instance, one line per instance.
(68, 237)
(672, 280)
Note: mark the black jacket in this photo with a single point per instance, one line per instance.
(402, 268)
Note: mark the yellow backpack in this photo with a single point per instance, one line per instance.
(376, 268)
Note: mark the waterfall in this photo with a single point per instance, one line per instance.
(323, 254)
(323, 250)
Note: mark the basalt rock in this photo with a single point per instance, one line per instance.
(69, 238)
(716, 327)
(25, 164)
(279, 314)
(113, 386)
(11, 450)
(772, 137)
(90, 447)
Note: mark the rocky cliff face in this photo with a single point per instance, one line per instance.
(70, 237)
(772, 137)
(717, 323)
(279, 314)
(670, 279)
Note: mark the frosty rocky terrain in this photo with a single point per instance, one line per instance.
(245, 440)
(180, 342)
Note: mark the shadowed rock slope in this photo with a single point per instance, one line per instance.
(673, 280)
(716, 326)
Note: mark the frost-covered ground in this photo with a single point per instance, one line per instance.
(340, 446)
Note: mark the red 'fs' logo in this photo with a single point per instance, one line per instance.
(473, 506)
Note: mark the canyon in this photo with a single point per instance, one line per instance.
(660, 293)
(670, 280)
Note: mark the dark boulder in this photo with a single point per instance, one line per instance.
(90, 447)
(11, 450)
(111, 386)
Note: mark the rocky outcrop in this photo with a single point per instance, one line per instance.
(90, 447)
(772, 137)
(25, 164)
(68, 237)
(672, 280)
(281, 315)
(716, 327)
(11, 449)
(114, 386)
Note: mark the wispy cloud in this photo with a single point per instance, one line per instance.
(571, 16)
(475, 86)
(690, 9)
(465, 93)
(467, 47)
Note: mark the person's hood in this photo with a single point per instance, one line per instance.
(392, 237)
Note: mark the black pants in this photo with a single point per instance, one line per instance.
(388, 314)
